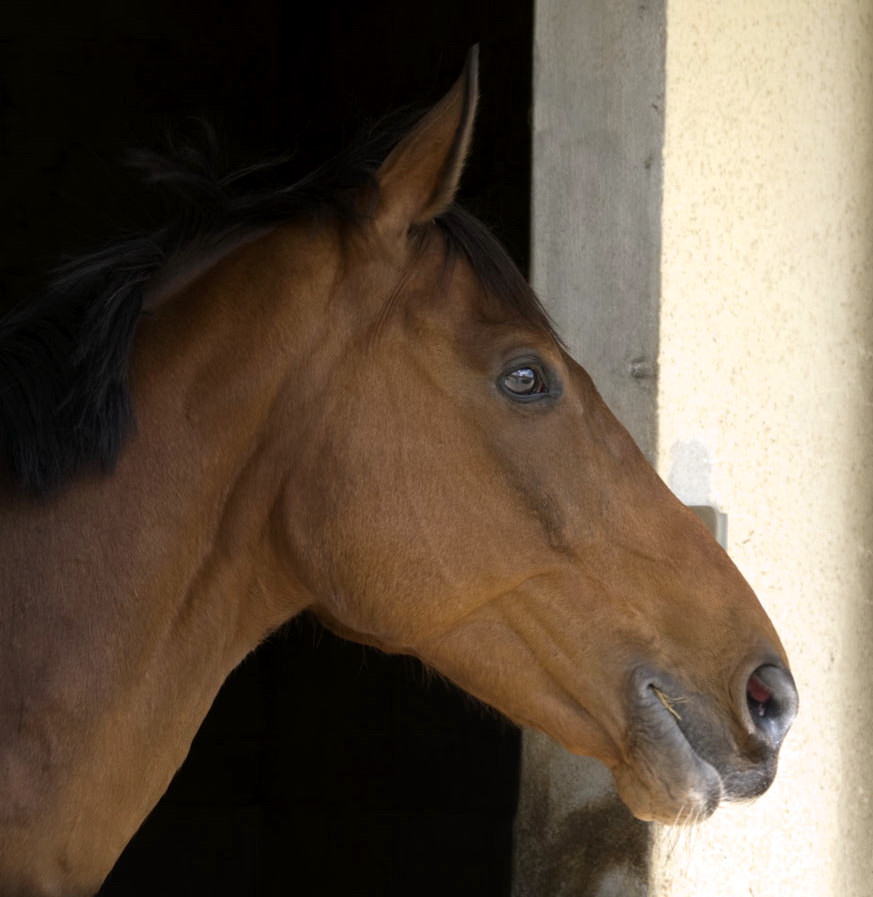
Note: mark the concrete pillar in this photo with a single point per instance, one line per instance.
(598, 126)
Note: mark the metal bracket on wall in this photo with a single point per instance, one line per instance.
(715, 521)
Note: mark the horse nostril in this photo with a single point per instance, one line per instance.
(772, 701)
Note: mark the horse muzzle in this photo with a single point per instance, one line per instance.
(687, 753)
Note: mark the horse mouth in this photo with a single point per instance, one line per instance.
(668, 777)
(683, 755)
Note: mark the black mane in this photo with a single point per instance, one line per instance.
(65, 402)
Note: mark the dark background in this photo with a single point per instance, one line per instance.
(324, 768)
(82, 85)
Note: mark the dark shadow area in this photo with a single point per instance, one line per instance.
(324, 768)
(80, 86)
(328, 768)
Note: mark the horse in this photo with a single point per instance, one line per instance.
(340, 397)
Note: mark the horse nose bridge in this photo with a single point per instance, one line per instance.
(709, 629)
(690, 593)
(712, 595)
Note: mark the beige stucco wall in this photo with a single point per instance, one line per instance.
(765, 401)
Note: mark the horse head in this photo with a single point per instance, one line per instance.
(465, 496)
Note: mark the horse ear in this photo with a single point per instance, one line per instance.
(419, 179)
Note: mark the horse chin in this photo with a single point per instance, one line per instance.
(670, 784)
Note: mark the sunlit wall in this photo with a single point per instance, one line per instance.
(765, 401)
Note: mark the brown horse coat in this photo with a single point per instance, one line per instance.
(368, 417)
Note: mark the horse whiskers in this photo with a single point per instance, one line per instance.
(679, 841)
(673, 832)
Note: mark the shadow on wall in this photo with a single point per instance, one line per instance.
(574, 837)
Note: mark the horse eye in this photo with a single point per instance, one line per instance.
(525, 382)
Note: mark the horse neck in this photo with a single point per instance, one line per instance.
(209, 371)
(155, 580)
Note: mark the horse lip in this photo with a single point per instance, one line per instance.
(665, 750)
(662, 705)
(669, 709)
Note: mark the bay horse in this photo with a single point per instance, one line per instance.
(347, 400)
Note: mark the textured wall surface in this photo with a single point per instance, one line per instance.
(766, 401)
(595, 256)
(596, 191)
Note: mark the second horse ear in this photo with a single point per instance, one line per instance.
(419, 179)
